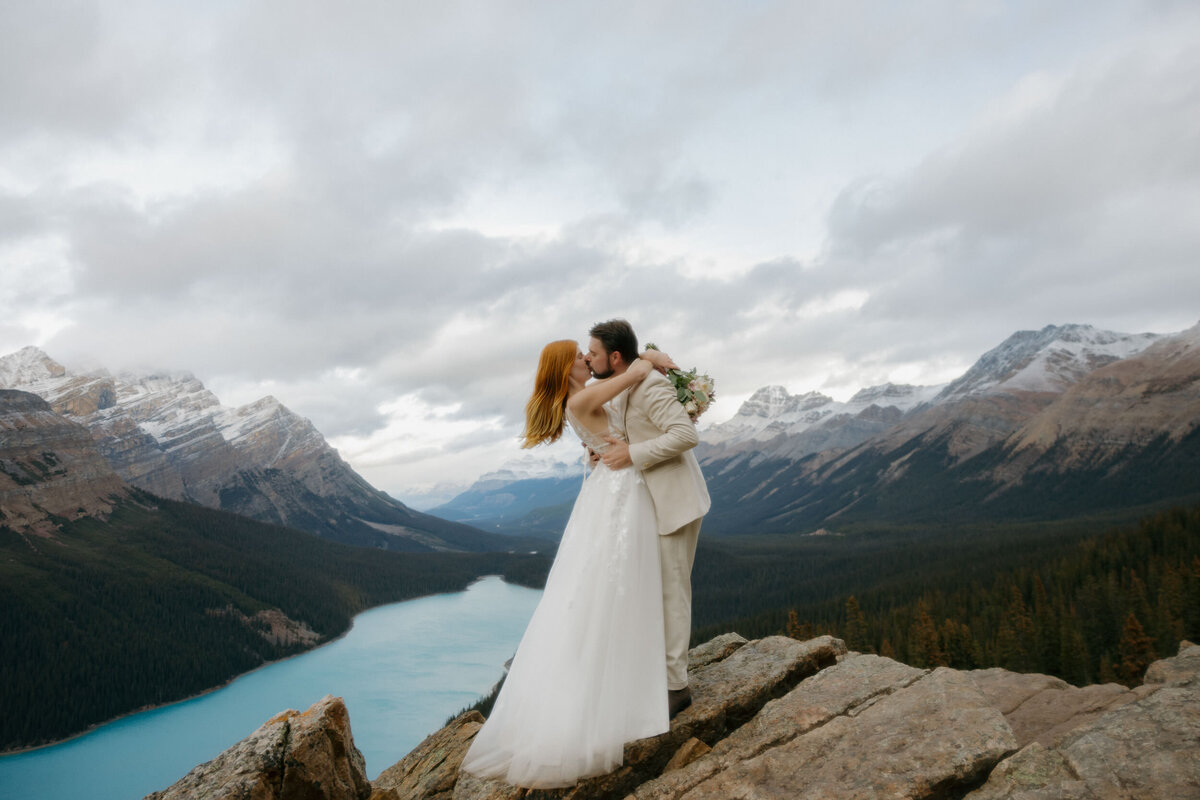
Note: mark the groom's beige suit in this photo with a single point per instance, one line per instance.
(661, 437)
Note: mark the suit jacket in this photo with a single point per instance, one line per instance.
(661, 437)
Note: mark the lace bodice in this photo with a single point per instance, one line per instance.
(593, 440)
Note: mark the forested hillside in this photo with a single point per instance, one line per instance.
(166, 599)
(1067, 601)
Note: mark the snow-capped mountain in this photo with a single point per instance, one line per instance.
(1149, 398)
(1060, 421)
(769, 412)
(1049, 360)
(167, 434)
(772, 421)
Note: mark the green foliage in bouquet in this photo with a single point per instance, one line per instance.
(696, 390)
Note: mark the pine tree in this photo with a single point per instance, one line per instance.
(856, 627)
(958, 645)
(1139, 604)
(1107, 675)
(1015, 639)
(1169, 625)
(1136, 652)
(1045, 630)
(1073, 657)
(926, 648)
(796, 630)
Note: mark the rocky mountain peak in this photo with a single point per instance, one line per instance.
(903, 396)
(166, 433)
(767, 402)
(1132, 401)
(772, 403)
(818, 419)
(1191, 335)
(1048, 360)
(28, 365)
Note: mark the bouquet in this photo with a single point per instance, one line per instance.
(695, 390)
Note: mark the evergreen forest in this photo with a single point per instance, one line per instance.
(1081, 600)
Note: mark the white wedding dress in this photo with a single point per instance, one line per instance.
(589, 674)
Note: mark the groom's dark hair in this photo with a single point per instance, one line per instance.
(617, 336)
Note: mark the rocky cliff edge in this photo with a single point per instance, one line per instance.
(779, 718)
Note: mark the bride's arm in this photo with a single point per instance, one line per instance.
(589, 399)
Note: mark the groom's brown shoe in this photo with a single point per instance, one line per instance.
(678, 700)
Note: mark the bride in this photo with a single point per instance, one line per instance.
(588, 674)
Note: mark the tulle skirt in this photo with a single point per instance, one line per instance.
(589, 674)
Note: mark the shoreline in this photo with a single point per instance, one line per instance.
(96, 726)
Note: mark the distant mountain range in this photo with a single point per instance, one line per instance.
(168, 435)
(1050, 423)
(514, 499)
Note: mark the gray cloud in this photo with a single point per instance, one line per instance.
(408, 200)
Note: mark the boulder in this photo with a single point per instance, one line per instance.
(828, 694)
(1042, 708)
(293, 756)
(691, 750)
(431, 769)
(1182, 670)
(898, 732)
(1145, 749)
(714, 650)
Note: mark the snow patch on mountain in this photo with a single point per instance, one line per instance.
(28, 366)
(904, 397)
(174, 408)
(772, 411)
(530, 466)
(1049, 360)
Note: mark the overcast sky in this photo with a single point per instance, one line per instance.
(380, 211)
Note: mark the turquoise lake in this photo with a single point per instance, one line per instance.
(402, 669)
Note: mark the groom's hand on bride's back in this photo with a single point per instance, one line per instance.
(593, 457)
(617, 454)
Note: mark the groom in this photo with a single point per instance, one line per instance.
(661, 437)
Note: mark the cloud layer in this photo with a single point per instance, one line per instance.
(379, 213)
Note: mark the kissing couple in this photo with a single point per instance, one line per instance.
(604, 658)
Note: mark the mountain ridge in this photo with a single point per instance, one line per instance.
(788, 462)
(166, 433)
(955, 457)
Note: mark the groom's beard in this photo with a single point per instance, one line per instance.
(601, 375)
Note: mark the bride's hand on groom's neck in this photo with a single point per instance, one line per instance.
(660, 360)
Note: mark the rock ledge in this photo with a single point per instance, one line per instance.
(779, 718)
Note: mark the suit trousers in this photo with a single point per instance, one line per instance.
(677, 551)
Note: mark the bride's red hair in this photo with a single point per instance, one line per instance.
(545, 412)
